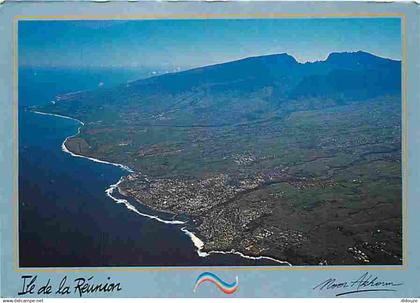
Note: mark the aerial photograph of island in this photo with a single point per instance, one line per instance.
(210, 142)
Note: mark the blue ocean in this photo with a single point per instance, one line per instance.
(65, 217)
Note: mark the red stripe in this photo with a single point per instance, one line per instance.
(227, 291)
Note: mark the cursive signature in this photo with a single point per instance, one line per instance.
(365, 283)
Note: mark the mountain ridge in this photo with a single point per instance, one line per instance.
(331, 56)
(249, 88)
(286, 75)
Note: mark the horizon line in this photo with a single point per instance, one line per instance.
(185, 68)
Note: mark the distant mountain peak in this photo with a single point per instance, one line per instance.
(357, 55)
(280, 57)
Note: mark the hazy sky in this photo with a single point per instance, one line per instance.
(187, 43)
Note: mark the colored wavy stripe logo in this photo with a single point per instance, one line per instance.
(227, 288)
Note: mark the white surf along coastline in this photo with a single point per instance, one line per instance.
(198, 243)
